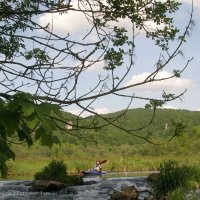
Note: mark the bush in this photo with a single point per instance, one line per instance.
(57, 171)
(180, 194)
(172, 177)
(176, 194)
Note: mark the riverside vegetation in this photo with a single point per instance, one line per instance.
(176, 182)
(56, 170)
(123, 152)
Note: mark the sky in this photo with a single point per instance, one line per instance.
(192, 49)
(145, 58)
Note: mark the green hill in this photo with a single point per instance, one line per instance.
(124, 151)
(109, 138)
(161, 129)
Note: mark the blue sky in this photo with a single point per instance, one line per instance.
(191, 99)
(146, 55)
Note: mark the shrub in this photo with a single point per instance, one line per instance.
(180, 194)
(57, 171)
(172, 177)
(176, 194)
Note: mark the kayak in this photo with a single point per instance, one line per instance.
(93, 173)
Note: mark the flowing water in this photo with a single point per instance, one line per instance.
(101, 189)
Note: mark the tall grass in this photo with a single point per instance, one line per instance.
(181, 194)
(174, 177)
(27, 166)
(177, 194)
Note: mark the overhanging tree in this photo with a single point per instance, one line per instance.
(41, 69)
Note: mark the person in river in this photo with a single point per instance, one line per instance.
(97, 166)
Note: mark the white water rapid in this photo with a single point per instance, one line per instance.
(101, 189)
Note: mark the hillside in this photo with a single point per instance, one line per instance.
(123, 151)
(161, 128)
(111, 141)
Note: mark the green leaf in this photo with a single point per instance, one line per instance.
(47, 139)
(10, 121)
(3, 169)
(28, 108)
(48, 108)
(32, 121)
(46, 122)
(43, 112)
(6, 151)
(39, 132)
(3, 157)
(25, 134)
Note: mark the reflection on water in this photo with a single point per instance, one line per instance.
(107, 175)
(128, 174)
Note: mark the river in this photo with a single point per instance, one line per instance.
(101, 189)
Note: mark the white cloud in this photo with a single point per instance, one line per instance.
(67, 22)
(169, 107)
(127, 24)
(92, 66)
(77, 112)
(100, 110)
(72, 22)
(75, 22)
(167, 85)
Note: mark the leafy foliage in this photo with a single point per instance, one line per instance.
(156, 12)
(57, 171)
(172, 176)
(22, 118)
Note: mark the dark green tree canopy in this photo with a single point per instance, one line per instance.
(41, 69)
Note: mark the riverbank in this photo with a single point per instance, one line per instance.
(27, 177)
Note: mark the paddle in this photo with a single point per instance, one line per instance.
(103, 161)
